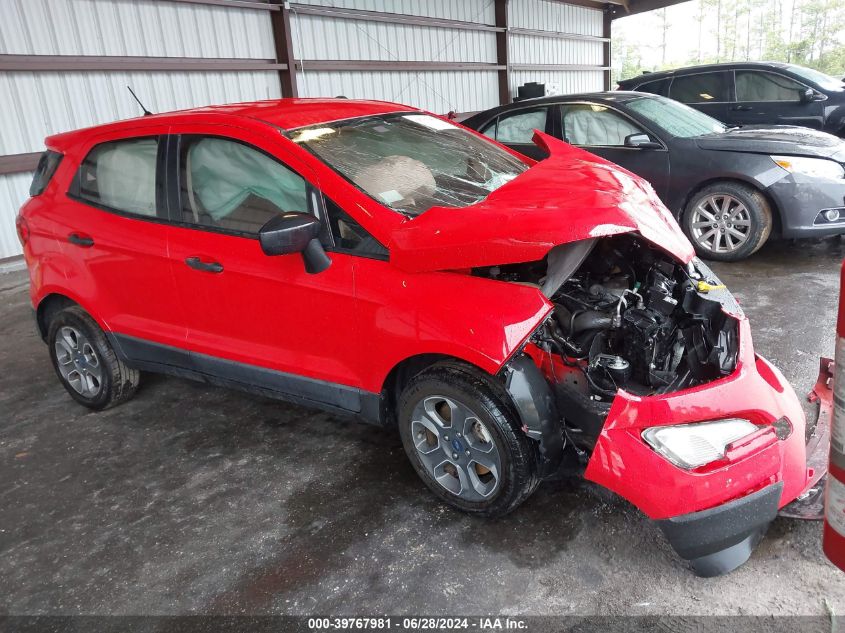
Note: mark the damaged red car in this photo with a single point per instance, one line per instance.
(513, 320)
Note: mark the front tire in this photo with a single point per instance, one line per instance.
(85, 362)
(727, 221)
(465, 442)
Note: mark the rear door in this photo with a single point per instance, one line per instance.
(116, 224)
(247, 312)
(602, 130)
(769, 98)
(712, 92)
(515, 128)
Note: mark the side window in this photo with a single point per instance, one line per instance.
(351, 237)
(47, 165)
(758, 86)
(121, 175)
(658, 87)
(701, 88)
(489, 130)
(519, 127)
(595, 125)
(228, 185)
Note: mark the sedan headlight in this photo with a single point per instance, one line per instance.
(693, 445)
(818, 167)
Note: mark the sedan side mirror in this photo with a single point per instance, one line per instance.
(295, 232)
(641, 141)
(810, 95)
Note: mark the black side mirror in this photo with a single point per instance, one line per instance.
(809, 95)
(641, 141)
(295, 233)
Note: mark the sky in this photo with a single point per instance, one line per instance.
(643, 31)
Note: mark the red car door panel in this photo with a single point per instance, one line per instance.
(240, 304)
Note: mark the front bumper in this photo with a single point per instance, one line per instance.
(800, 199)
(720, 539)
(713, 516)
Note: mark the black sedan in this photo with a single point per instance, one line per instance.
(730, 188)
(753, 93)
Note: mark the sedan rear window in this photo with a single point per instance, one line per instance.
(412, 162)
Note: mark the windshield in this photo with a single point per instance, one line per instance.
(822, 80)
(676, 118)
(412, 162)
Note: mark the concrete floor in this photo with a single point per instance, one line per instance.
(192, 499)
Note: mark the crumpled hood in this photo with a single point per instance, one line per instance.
(776, 139)
(572, 195)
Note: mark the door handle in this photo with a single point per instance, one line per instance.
(742, 108)
(80, 240)
(208, 267)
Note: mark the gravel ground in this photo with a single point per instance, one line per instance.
(192, 499)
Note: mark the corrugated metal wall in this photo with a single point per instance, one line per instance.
(36, 104)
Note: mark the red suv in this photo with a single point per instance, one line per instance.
(514, 320)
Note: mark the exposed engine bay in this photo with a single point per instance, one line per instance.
(626, 316)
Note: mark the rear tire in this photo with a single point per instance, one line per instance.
(85, 362)
(465, 441)
(727, 221)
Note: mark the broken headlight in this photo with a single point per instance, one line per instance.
(693, 445)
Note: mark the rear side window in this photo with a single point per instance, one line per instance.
(519, 127)
(121, 175)
(658, 87)
(701, 88)
(47, 165)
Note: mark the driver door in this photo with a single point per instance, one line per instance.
(248, 312)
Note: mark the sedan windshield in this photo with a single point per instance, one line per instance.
(412, 162)
(676, 118)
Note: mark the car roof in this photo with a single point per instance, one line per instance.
(611, 96)
(662, 74)
(287, 114)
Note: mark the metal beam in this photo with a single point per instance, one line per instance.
(502, 54)
(261, 5)
(55, 63)
(641, 6)
(556, 67)
(283, 43)
(19, 163)
(607, 53)
(393, 18)
(557, 34)
(387, 65)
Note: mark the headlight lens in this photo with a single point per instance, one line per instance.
(818, 167)
(694, 445)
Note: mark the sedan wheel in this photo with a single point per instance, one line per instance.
(456, 448)
(727, 221)
(720, 224)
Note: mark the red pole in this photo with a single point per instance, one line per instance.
(833, 540)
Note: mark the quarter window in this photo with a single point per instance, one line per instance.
(231, 186)
(519, 127)
(121, 175)
(701, 88)
(757, 86)
(351, 237)
(595, 125)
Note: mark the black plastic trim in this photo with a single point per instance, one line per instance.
(156, 357)
(535, 404)
(720, 539)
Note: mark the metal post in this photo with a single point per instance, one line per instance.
(284, 47)
(502, 58)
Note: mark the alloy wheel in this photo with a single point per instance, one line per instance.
(78, 362)
(720, 223)
(456, 448)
